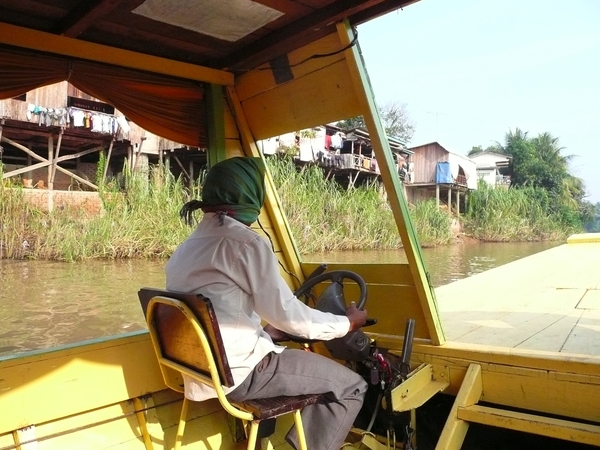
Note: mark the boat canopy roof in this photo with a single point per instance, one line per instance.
(226, 35)
(154, 59)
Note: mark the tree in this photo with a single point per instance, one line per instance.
(497, 148)
(538, 162)
(518, 145)
(396, 121)
(394, 116)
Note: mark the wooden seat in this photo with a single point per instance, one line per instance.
(186, 337)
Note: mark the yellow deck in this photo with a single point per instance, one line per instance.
(549, 302)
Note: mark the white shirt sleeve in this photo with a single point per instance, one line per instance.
(275, 303)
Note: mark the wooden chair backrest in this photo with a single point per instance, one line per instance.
(178, 340)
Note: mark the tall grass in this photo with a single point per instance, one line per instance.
(17, 235)
(143, 222)
(323, 216)
(432, 224)
(140, 217)
(521, 214)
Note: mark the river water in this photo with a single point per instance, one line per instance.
(48, 304)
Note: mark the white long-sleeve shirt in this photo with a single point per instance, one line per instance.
(236, 269)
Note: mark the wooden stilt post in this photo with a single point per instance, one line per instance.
(457, 202)
(49, 181)
(29, 174)
(185, 172)
(46, 163)
(138, 154)
(2, 122)
(130, 157)
(56, 154)
(110, 147)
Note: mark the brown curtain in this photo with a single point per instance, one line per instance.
(168, 107)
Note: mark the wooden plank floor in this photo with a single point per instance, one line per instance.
(549, 301)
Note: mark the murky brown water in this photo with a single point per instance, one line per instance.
(47, 304)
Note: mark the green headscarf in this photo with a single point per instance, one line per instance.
(233, 187)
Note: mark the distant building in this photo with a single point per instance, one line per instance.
(494, 168)
(51, 138)
(346, 155)
(441, 174)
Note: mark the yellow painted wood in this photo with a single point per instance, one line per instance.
(420, 386)
(231, 129)
(167, 407)
(233, 148)
(183, 416)
(209, 432)
(568, 387)
(313, 99)
(272, 204)
(387, 293)
(529, 423)
(390, 288)
(142, 423)
(541, 391)
(97, 435)
(455, 429)
(261, 79)
(584, 238)
(543, 308)
(403, 301)
(48, 378)
(584, 365)
(585, 335)
(25, 438)
(397, 274)
(394, 190)
(590, 300)
(61, 45)
(371, 442)
(6, 440)
(115, 426)
(152, 424)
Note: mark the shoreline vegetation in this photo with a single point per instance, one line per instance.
(141, 218)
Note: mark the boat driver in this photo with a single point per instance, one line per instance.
(226, 261)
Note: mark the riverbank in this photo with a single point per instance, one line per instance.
(141, 219)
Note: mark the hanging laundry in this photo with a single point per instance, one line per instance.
(124, 124)
(78, 118)
(106, 124)
(336, 140)
(30, 110)
(96, 123)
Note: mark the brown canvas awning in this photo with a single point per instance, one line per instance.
(169, 107)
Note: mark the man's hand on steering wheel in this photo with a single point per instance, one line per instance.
(356, 316)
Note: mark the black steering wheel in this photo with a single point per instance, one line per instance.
(335, 302)
(355, 345)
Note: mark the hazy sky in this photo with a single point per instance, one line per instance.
(471, 70)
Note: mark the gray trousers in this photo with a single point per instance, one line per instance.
(297, 372)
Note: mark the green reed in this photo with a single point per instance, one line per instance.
(324, 216)
(432, 224)
(140, 222)
(521, 214)
(17, 235)
(140, 217)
